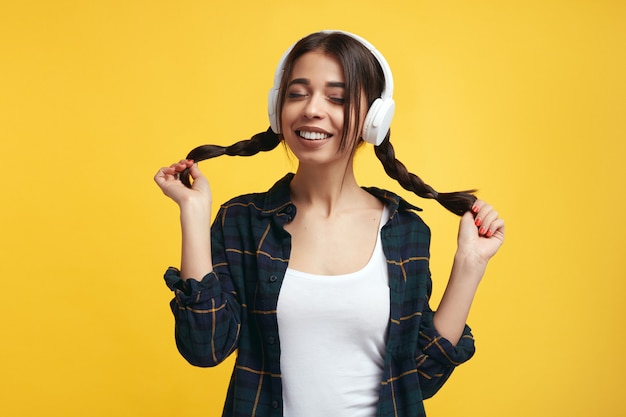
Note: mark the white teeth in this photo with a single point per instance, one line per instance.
(313, 135)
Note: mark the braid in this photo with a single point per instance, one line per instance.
(457, 202)
(261, 142)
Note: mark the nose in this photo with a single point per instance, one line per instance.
(314, 108)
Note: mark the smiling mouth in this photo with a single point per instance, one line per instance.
(312, 135)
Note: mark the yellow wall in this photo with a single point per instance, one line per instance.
(524, 100)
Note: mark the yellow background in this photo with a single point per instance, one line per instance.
(524, 100)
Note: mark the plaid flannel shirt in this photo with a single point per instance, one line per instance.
(233, 308)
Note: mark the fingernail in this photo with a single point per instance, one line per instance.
(475, 209)
(478, 221)
(489, 233)
(481, 231)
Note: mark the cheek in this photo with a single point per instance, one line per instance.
(287, 114)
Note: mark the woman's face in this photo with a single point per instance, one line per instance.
(312, 118)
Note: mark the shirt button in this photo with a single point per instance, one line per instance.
(273, 278)
(275, 404)
(271, 340)
(288, 209)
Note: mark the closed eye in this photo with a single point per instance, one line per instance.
(295, 95)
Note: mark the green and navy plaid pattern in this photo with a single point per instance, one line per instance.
(234, 307)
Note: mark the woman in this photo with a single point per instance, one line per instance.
(323, 286)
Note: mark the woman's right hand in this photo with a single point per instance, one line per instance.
(167, 178)
(195, 216)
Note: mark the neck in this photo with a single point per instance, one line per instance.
(324, 190)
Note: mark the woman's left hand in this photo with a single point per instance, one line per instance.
(481, 232)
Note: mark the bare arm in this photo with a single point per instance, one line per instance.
(195, 217)
(481, 233)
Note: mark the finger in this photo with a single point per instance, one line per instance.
(481, 210)
(489, 218)
(496, 228)
(467, 228)
(478, 204)
(200, 182)
(486, 218)
(163, 173)
(178, 166)
(195, 172)
(186, 163)
(181, 165)
(480, 207)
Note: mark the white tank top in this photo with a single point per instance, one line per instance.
(332, 333)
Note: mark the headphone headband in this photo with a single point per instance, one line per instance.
(378, 119)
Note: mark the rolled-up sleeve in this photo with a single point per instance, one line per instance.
(207, 322)
(438, 357)
(207, 313)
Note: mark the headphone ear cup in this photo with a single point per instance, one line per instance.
(272, 101)
(378, 121)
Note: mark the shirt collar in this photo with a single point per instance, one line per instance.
(392, 200)
(278, 197)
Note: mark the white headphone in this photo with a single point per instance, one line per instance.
(378, 118)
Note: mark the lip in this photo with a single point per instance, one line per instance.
(313, 129)
(312, 143)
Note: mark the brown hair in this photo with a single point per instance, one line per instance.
(363, 75)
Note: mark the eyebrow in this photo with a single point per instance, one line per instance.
(305, 81)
